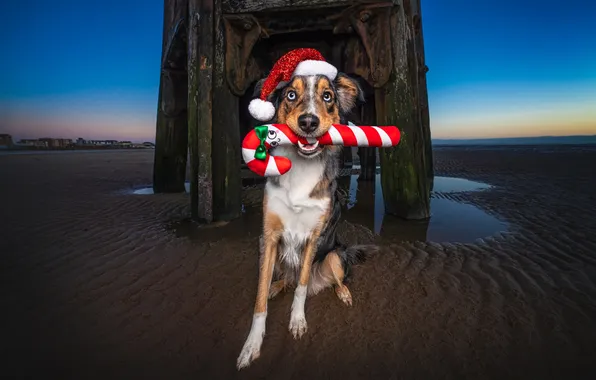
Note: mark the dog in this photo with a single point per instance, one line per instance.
(299, 245)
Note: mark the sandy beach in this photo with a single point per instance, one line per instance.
(101, 283)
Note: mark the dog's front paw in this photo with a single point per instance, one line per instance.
(250, 352)
(298, 325)
(252, 346)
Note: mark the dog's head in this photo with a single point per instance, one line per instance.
(309, 105)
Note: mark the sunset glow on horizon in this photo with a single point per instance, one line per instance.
(94, 69)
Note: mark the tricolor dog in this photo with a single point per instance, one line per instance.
(298, 247)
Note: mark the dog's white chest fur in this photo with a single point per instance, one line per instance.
(291, 201)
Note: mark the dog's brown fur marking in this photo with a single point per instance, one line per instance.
(321, 189)
(347, 91)
(290, 110)
(276, 287)
(272, 230)
(328, 113)
(333, 269)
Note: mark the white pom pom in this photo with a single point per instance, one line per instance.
(261, 109)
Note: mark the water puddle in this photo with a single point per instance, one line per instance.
(149, 190)
(456, 185)
(450, 221)
(248, 226)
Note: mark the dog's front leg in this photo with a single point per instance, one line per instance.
(298, 324)
(252, 346)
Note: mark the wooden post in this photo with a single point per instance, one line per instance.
(200, 76)
(227, 182)
(404, 170)
(423, 91)
(368, 156)
(169, 165)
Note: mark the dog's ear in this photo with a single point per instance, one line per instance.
(258, 86)
(349, 92)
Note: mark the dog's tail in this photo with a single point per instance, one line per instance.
(355, 254)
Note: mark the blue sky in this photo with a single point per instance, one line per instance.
(497, 68)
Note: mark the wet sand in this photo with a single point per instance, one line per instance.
(98, 282)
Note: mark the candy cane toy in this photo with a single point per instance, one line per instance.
(256, 144)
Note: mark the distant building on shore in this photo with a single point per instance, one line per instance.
(36, 143)
(5, 141)
(56, 143)
(81, 141)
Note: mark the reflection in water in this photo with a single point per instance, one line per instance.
(144, 191)
(454, 185)
(149, 190)
(248, 226)
(450, 220)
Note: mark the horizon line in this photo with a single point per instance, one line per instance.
(510, 138)
(432, 138)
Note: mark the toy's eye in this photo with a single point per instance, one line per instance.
(327, 97)
(291, 95)
(272, 134)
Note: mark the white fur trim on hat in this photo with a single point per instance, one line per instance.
(261, 110)
(313, 67)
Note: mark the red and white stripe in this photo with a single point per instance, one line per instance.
(362, 136)
(272, 165)
(338, 134)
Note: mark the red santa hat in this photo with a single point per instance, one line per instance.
(295, 62)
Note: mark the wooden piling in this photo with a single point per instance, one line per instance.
(404, 169)
(422, 90)
(368, 156)
(200, 95)
(169, 165)
(226, 145)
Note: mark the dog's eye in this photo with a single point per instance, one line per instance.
(273, 143)
(327, 97)
(272, 134)
(291, 95)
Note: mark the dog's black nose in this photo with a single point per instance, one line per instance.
(308, 122)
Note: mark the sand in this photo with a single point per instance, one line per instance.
(98, 283)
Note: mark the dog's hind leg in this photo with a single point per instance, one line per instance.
(334, 269)
(276, 287)
(272, 235)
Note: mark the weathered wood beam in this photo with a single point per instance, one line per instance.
(200, 95)
(368, 156)
(370, 55)
(239, 35)
(404, 172)
(169, 165)
(422, 89)
(247, 6)
(226, 146)
(298, 21)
